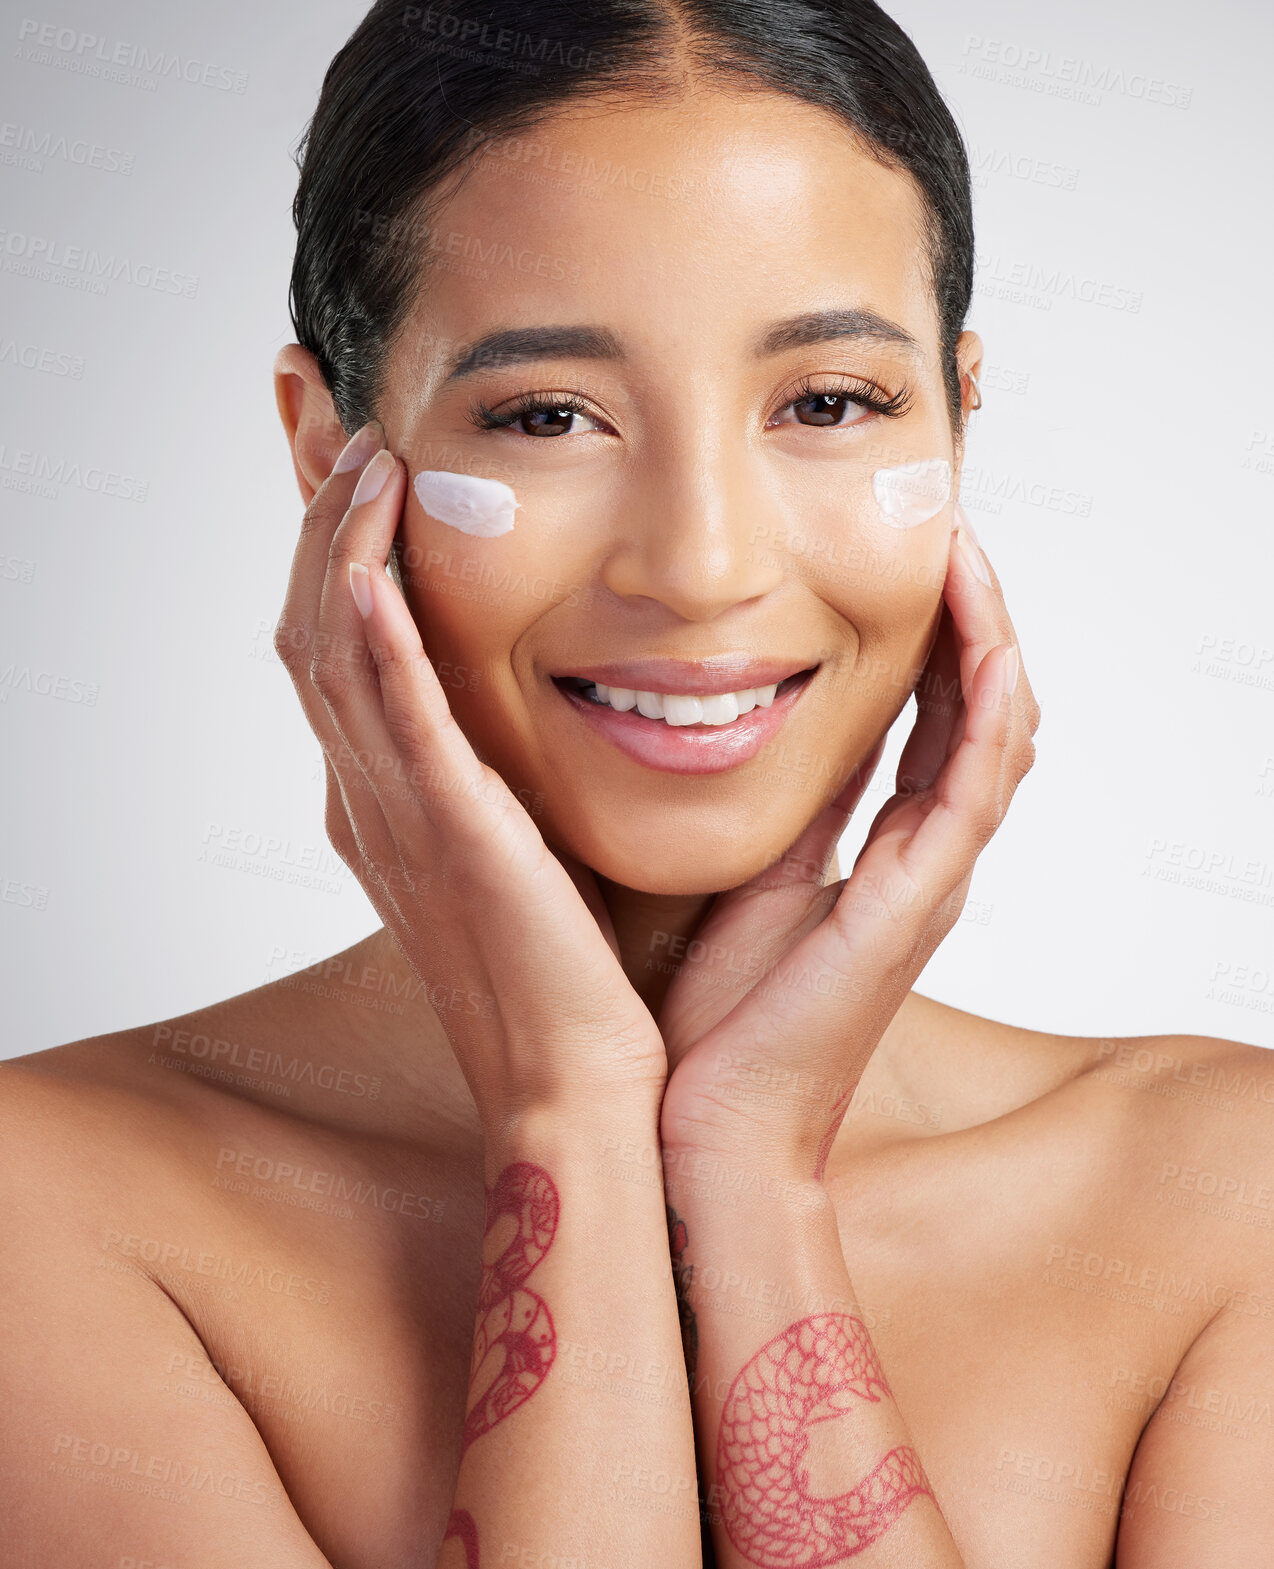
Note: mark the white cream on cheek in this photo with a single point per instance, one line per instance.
(483, 507)
(912, 493)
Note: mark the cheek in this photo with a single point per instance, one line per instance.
(468, 503)
(465, 589)
(866, 534)
(480, 568)
(909, 494)
(501, 551)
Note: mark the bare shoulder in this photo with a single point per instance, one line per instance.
(1196, 1113)
(1176, 1123)
(196, 1212)
(105, 1201)
(140, 1131)
(323, 1046)
(1194, 1119)
(1195, 1095)
(1170, 1138)
(1180, 1087)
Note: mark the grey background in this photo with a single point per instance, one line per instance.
(163, 840)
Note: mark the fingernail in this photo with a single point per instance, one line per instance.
(1012, 665)
(372, 480)
(360, 585)
(962, 521)
(970, 552)
(359, 447)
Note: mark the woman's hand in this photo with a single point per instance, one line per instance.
(513, 945)
(769, 1031)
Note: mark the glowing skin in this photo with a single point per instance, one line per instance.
(481, 507)
(912, 493)
(696, 487)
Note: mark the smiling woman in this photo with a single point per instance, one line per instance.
(632, 408)
(685, 1297)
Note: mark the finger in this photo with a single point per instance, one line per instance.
(586, 886)
(972, 792)
(297, 635)
(344, 681)
(350, 838)
(939, 700)
(399, 727)
(982, 622)
(873, 936)
(343, 661)
(448, 811)
(294, 635)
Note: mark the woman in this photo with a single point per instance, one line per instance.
(610, 1227)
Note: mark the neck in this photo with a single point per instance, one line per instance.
(408, 1046)
(652, 931)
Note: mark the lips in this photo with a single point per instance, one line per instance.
(690, 748)
(691, 677)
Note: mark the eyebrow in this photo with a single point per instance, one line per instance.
(795, 332)
(517, 345)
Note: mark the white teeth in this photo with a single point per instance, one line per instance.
(722, 708)
(683, 710)
(621, 697)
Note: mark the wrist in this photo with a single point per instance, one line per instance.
(575, 1136)
(730, 1180)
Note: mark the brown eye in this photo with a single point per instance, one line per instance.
(546, 421)
(826, 408)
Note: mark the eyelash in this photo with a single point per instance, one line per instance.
(863, 393)
(528, 403)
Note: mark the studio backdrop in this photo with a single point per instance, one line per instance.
(163, 840)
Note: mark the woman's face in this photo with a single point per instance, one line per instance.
(698, 484)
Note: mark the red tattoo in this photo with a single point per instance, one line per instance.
(514, 1344)
(461, 1526)
(811, 1372)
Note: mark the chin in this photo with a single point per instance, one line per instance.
(657, 856)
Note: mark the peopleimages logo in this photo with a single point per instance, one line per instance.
(135, 65)
(24, 145)
(50, 261)
(22, 468)
(1017, 64)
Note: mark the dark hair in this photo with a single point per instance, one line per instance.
(418, 90)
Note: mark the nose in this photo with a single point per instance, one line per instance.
(687, 536)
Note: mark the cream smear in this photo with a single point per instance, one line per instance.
(483, 507)
(912, 493)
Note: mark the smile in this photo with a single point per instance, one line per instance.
(685, 732)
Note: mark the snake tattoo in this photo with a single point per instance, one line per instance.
(813, 1371)
(514, 1343)
(461, 1526)
(515, 1333)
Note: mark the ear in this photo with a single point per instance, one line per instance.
(968, 359)
(309, 417)
(968, 362)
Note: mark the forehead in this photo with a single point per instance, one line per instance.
(684, 224)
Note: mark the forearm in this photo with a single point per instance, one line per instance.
(803, 1450)
(576, 1283)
